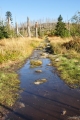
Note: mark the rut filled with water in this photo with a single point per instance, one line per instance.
(49, 99)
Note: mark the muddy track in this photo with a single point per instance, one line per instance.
(49, 100)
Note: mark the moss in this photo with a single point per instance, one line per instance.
(35, 63)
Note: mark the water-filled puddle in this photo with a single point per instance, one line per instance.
(45, 96)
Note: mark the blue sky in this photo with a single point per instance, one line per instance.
(39, 9)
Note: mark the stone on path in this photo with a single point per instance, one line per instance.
(38, 71)
(49, 64)
(57, 60)
(40, 81)
(63, 112)
(74, 118)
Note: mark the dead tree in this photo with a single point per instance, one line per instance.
(40, 27)
(28, 27)
(17, 29)
(36, 29)
(69, 27)
(23, 28)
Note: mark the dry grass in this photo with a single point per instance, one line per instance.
(56, 43)
(73, 44)
(59, 39)
(16, 49)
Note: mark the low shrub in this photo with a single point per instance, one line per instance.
(73, 44)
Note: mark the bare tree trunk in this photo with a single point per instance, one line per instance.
(23, 29)
(36, 29)
(40, 29)
(17, 28)
(69, 27)
(28, 27)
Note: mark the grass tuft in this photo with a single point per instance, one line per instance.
(9, 86)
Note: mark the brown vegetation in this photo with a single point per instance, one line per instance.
(73, 44)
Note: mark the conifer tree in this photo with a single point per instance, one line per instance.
(60, 29)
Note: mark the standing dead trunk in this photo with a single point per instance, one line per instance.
(23, 29)
(69, 27)
(40, 29)
(16, 28)
(36, 29)
(28, 27)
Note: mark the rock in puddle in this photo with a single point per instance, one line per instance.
(44, 55)
(36, 62)
(63, 112)
(20, 104)
(40, 81)
(74, 118)
(49, 64)
(38, 71)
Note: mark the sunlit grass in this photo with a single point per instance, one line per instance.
(17, 49)
(9, 86)
(68, 64)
